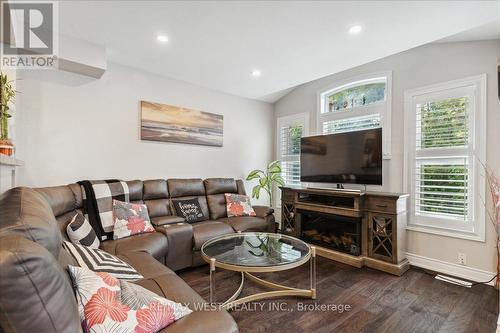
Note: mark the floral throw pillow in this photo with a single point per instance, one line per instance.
(238, 205)
(106, 304)
(130, 219)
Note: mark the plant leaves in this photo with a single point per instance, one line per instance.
(263, 181)
(274, 167)
(280, 181)
(254, 174)
(272, 164)
(256, 191)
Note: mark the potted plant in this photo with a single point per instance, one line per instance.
(267, 179)
(7, 94)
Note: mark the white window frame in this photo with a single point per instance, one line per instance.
(299, 118)
(384, 108)
(475, 88)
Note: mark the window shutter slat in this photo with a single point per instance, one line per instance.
(442, 123)
(290, 151)
(442, 189)
(352, 124)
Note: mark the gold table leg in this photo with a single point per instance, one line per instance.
(212, 280)
(278, 290)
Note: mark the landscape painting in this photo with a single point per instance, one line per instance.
(168, 123)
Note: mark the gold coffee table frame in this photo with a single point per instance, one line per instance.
(278, 290)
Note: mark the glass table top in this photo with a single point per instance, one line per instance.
(256, 249)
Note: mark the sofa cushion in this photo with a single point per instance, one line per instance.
(156, 197)
(135, 190)
(36, 295)
(154, 243)
(158, 207)
(188, 189)
(185, 187)
(220, 185)
(145, 264)
(26, 213)
(203, 231)
(246, 223)
(215, 189)
(60, 198)
(174, 288)
(155, 189)
(217, 206)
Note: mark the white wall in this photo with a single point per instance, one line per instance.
(71, 128)
(8, 172)
(412, 69)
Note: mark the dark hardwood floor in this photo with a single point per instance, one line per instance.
(379, 302)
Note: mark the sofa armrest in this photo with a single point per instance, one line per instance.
(169, 219)
(263, 211)
(180, 241)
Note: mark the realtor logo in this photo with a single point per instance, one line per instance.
(28, 34)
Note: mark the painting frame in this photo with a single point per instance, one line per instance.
(175, 124)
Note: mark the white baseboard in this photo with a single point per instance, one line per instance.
(452, 269)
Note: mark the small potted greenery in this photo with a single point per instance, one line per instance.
(267, 179)
(7, 94)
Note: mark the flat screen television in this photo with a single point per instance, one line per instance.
(353, 157)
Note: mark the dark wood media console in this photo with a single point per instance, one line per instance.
(355, 228)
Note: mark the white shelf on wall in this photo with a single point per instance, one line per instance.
(8, 174)
(9, 160)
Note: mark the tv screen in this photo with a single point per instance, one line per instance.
(354, 157)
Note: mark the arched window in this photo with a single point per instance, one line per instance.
(357, 104)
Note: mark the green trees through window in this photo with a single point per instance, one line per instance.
(356, 96)
(443, 123)
(443, 187)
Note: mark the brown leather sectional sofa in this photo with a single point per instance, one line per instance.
(35, 291)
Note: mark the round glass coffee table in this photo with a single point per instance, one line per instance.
(255, 252)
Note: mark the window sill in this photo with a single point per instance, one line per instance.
(472, 236)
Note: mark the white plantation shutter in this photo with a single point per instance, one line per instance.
(351, 124)
(291, 172)
(290, 130)
(441, 187)
(443, 134)
(442, 158)
(443, 123)
(442, 177)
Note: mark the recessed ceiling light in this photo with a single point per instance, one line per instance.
(256, 73)
(355, 29)
(162, 38)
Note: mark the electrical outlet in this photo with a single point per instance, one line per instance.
(462, 259)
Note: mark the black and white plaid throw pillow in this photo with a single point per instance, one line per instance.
(80, 231)
(101, 261)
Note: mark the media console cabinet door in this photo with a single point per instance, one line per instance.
(288, 212)
(383, 237)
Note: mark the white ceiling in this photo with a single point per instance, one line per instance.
(217, 44)
(484, 32)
